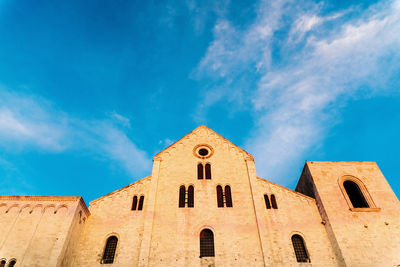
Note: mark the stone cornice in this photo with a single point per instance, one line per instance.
(40, 198)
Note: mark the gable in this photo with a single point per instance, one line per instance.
(203, 133)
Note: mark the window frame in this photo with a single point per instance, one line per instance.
(105, 245)
(308, 258)
(200, 171)
(267, 202)
(190, 196)
(134, 202)
(228, 196)
(14, 261)
(140, 203)
(213, 243)
(364, 191)
(182, 196)
(274, 203)
(220, 196)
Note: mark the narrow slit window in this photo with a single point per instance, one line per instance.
(141, 200)
(182, 194)
(220, 198)
(300, 249)
(207, 243)
(134, 203)
(267, 203)
(208, 171)
(190, 196)
(228, 196)
(355, 195)
(109, 250)
(200, 171)
(273, 202)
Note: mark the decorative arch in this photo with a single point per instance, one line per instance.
(356, 194)
(16, 206)
(25, 207)
(3, 208)
(61, 208)
(49, 209)
(3, 262)
(38, 207)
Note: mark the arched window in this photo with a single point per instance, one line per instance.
(354, 193)
(12, 263)
(300, 249)
(273, 202)
(200, 171)
(190, 196)
(182, 194)
(207, 243)
(220, 197)
(2, 263)
(208, 171)
(267, 204)
(141, 200)
(134, 203)
(109, 250)
(228, 196)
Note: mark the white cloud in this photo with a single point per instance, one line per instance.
(28, 122)
(124, 121)
(295, 104)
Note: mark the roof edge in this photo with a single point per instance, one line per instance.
(290, 190)
(203, 126)
(40, 198)
(115, 191)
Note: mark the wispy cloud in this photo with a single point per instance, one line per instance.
(296, 99)
(30, 122)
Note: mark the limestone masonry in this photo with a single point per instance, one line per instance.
(204, 205)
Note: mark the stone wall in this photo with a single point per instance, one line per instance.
(112, 215)
(175, 233)
(35, 231)
(296, 214)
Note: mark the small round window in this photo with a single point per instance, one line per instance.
(203, 151)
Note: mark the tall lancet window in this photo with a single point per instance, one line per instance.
(208, 171)
(273, 202)
(186, 197)
(141, 201)
(224, 198)
(200, 171)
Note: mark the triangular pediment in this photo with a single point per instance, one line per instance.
(202, 130)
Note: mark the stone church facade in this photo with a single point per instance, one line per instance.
(204, 205)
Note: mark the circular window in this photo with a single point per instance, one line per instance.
(203, 151)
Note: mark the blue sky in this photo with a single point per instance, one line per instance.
(90, 91)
